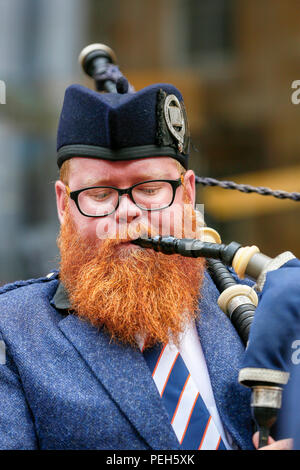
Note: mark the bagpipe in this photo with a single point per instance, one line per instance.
(266, 312)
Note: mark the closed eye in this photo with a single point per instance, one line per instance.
(99, 195)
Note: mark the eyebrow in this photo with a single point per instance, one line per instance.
(141, 178)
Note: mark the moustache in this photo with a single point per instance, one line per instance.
(127, 232)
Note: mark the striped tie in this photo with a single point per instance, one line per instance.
(191, 421)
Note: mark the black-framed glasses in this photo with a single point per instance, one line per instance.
(100, 201)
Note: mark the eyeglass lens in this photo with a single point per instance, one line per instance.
(103, 200)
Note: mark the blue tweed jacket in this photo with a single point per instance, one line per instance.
(65, 386)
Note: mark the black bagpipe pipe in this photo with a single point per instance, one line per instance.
(237, 300)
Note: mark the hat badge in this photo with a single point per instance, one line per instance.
(175, 119)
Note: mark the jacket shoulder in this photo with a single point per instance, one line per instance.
(29, 282)
(22, 302)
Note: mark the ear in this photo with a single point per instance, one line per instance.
(190, 185)
(60, 191)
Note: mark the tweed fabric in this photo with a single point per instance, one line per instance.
(65, 385)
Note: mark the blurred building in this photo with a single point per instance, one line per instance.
(39, 43)
(233, 60)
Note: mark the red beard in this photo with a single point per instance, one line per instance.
(129, 291)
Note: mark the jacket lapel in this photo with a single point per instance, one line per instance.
(223, 351)
(125, 375)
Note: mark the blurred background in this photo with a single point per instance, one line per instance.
(234, 62)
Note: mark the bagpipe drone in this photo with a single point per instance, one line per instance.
(267, 314)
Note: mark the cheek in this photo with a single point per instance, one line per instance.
(86, 226)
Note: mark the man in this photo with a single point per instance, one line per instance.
(124, 348)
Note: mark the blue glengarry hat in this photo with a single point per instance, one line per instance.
(113, 126)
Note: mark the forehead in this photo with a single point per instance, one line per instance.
(90, 171)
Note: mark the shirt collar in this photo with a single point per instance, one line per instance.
(60, 299)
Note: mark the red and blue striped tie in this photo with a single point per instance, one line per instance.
(191, 420)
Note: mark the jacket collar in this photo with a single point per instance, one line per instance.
(126, 377)
(223, 351)
(124, 373)
(60, 299)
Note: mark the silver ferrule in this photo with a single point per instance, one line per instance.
(266, 396)
(257, 265)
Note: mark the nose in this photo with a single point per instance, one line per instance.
(127, 210)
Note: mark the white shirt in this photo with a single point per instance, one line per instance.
(192, 354)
